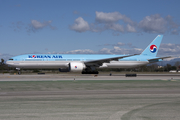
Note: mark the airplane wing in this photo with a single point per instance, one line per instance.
(156, 59)
(99, 62)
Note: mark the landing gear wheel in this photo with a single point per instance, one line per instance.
(90, 72)
(19, 72)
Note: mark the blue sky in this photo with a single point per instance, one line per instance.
(88, 27)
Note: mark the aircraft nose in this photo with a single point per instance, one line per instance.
(8, 63)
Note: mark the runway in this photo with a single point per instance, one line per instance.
(60, 97)
(54, 77)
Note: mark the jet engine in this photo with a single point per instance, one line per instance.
(76, 67)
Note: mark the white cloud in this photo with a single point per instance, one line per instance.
(130, 28)
(112, 17)
(32, 27)
(120, 48)
(115, 27)
(105, 50)
(120, 44)
(108, 17)
(157, 24)
(129, 45)
(104, 21)
(38, 25)
(80, 25)
(79, 51)
(109, 21)
(153, 24)
(119, 23)
(169, 49)
(171, 23)
(139, 50)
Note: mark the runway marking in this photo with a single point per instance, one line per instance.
(153, 111)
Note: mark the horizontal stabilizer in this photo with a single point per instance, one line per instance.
(156, 59)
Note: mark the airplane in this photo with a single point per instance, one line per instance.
(87, 63)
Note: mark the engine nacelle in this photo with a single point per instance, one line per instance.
(76, 67)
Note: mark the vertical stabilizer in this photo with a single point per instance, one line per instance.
(153, 48)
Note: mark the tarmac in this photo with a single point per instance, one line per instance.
(89, 97)
(54, 77)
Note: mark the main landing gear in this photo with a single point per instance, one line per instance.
(19, 71)
(90, 70)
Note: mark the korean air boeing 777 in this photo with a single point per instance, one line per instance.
(86, 63)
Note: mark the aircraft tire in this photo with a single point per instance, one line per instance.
(19, 72)
(90, 72)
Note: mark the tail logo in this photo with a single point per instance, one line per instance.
(153, 48)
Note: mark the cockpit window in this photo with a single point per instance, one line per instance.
(11, 59)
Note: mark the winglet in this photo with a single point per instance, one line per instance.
(153, 48)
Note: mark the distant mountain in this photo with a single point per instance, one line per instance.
(171, 62)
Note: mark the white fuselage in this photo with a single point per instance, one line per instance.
(65, 64)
